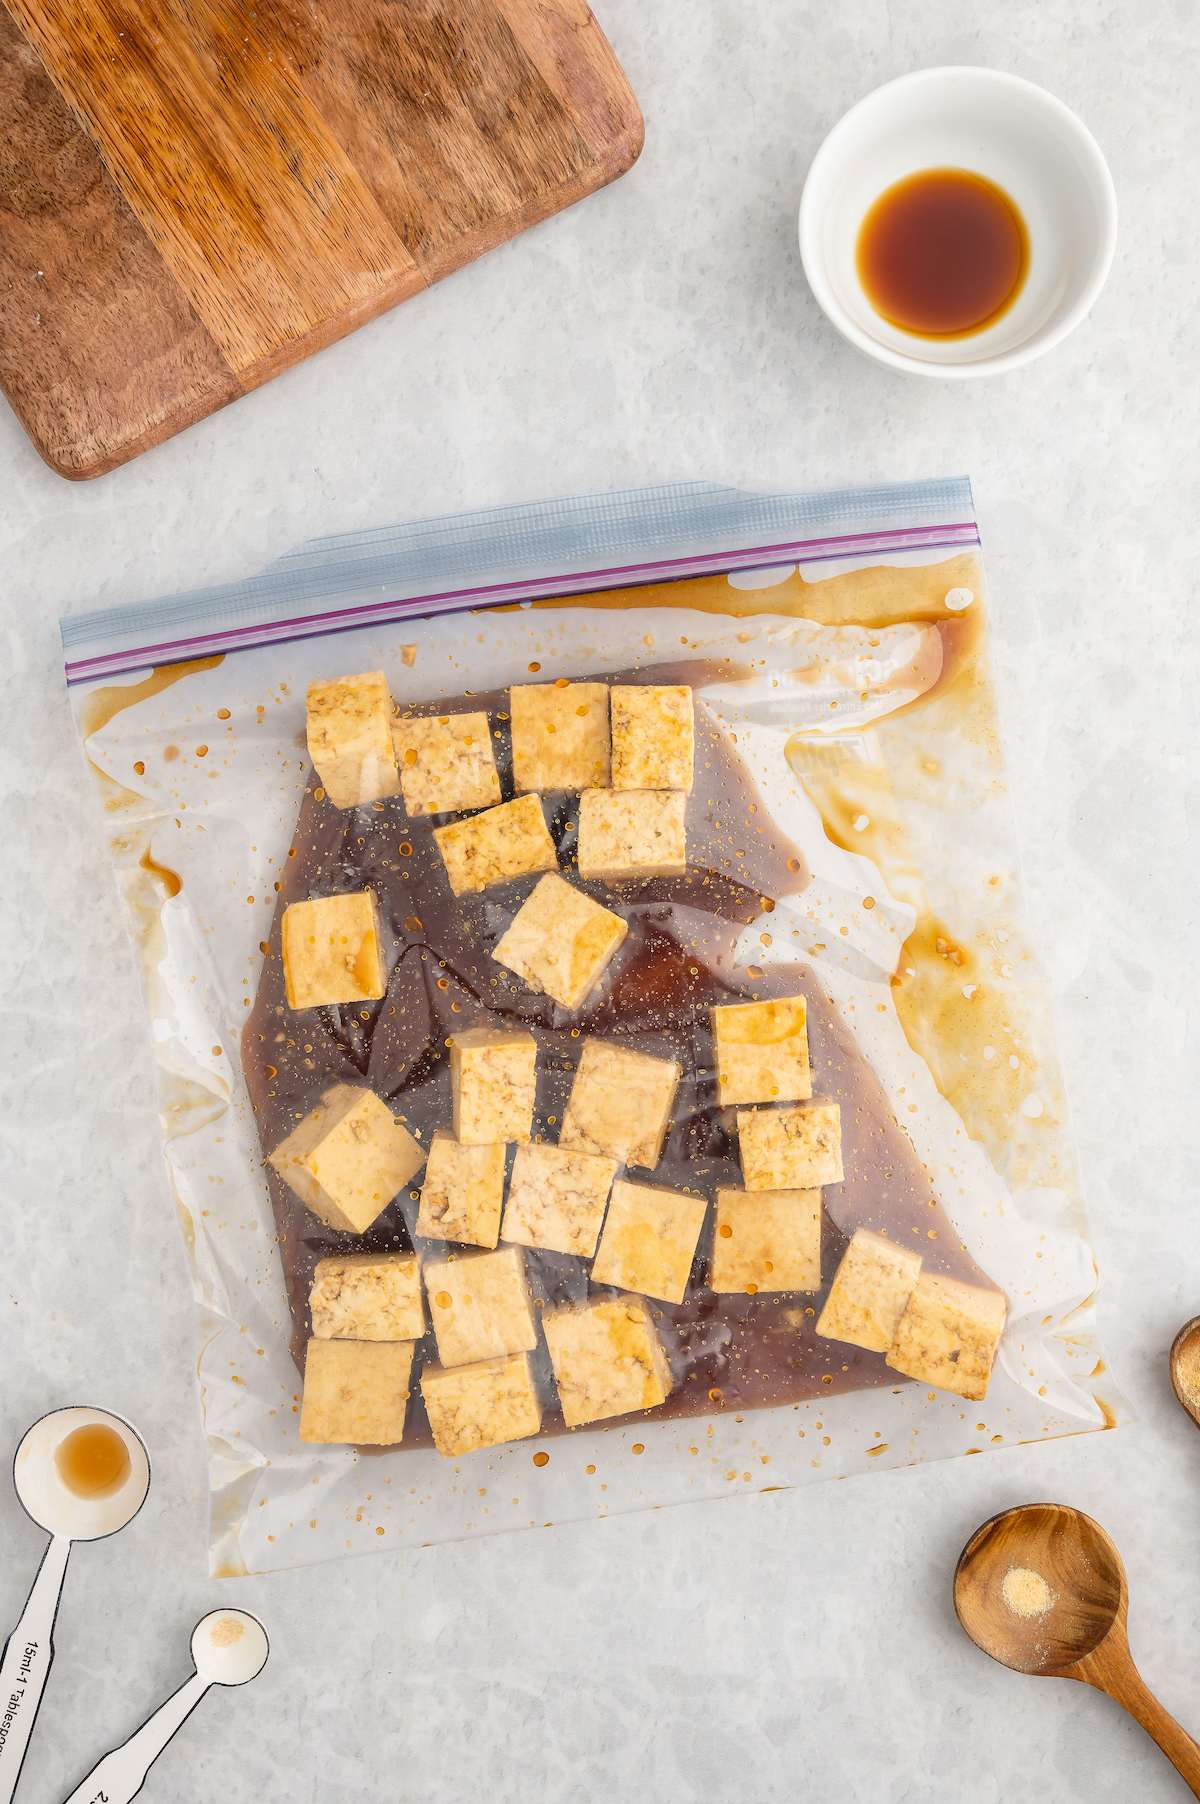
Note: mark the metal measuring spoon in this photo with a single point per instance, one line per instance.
(1042, 1589)
(63, 1451)
(229, 1647)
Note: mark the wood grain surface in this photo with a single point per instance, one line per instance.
(195, 195)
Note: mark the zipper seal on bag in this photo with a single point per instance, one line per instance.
(342, 572)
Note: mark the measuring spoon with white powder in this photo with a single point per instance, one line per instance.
(80, 1474)
(229, 1647)
(1042, 1589)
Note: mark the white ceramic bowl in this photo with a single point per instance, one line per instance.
(1002, 127)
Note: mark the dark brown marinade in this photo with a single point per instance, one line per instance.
(727, 1352)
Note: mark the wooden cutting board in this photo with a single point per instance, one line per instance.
(194, 195)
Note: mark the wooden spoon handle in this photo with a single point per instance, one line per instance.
(1131, 1691)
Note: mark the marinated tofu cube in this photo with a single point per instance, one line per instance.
(556, 1198)
(620, 1103)
(350, 738)
(560, 941)
(560, 735)
(348, 1158)
(367, 1296)
(446, 763)
(762, 1051)
(767, 1240)
(505, 842)
(356, 1392)
(462, 1192)
(494, 1079)
(607, 1359)
(791, 1149)
(331, 951)
(632, 832)
(870, 1290)
(948, 1335)
(481, 1405)
(649, 1240)
(480, 1306)
(653, 736)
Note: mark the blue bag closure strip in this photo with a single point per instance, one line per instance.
(500, 555)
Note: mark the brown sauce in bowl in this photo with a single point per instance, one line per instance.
(942, 253)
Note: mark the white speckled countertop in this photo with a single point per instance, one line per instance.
(775, 1645)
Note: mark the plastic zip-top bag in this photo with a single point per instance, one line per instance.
(601, 1061)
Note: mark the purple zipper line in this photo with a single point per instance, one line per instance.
(270, 633)
(446, 600)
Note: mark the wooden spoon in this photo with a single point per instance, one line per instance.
(1042, 1589)
(1185, 1367)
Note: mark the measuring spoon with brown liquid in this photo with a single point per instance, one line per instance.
(80, 1474)
(1042, 1589)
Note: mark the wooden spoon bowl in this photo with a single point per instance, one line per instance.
(1082, 1573)
(1185, 1367)
(1042, 1589)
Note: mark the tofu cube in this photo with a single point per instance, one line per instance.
(494, 1079)
(607, 1359)
(791, 1149)
(767, 1240)
(649, 1240)
(331, 951)
(560, 941)
(367, 1296)
(948, 1335)
(556, 1198)
(653, 736)
(356, 1392)
(462, 1192)
(481, 1405)
(632, 832)
(446, 763)
(349, 724)
(560, 735)
(620, 1103)
(348, 1158)
(869, 1292)
(480, 1306)
(762, 1051)
(493, 847)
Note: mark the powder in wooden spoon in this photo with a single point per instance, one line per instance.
(1187, 1370)
(1026, 1592)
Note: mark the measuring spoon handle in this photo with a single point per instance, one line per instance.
(25, 1664)
(121, 1775)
